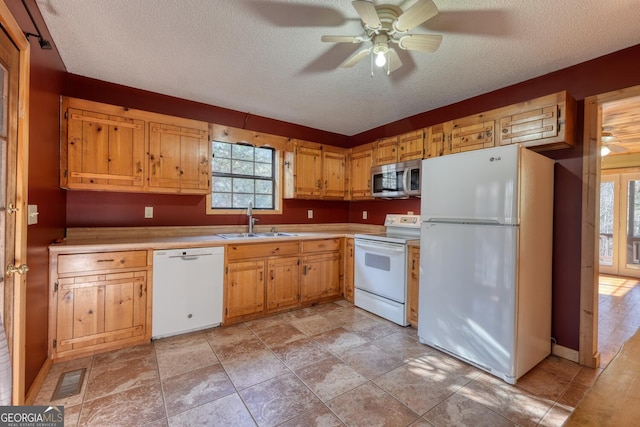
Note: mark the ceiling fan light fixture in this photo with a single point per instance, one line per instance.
(604, 151)
(381, 59)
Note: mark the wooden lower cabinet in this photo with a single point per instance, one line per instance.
(245, 288)
(348, 269)
(320, 276)
(413, 285)
(99, 302)
(283, 286)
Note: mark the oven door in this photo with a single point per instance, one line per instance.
(380, 268)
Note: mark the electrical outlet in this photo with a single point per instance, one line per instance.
(310, 213)
(364, 215)
(410, 213)
(148, 211)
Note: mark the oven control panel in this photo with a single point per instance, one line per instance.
(397, 220)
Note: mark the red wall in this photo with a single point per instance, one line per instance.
(48, 76)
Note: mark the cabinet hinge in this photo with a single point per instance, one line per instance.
(55, 287)
(66, 115)
(298, 262)
(226, 270)
(55, 343)
(65, 173)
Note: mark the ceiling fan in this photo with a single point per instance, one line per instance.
(610, 144)
(385, 25)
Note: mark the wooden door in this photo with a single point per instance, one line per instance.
(14, 159)
(360, 172)
(245, 288)
(411, 145)
(438, 140)
(387, 151)
(413, 285)
(333, 173)
(283, 284)
(308, 172)
(102, 151)
(179, 159)
(539, 125)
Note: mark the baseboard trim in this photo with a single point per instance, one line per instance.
(565, 353)
(30, 398)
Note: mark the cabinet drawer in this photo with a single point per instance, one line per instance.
(324, 245)
(261, 250)
(77, 263)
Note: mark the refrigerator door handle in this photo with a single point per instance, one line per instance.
(463, 221)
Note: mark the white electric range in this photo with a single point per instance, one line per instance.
(380, 263)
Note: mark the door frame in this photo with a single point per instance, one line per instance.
(589, 266)
(16, 334)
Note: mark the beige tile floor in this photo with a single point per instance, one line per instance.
(327, 365)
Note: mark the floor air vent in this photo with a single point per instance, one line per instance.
(69, 384)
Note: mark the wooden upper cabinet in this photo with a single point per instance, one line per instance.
(101, 151)
(360, 160)
(319, 171)
(471, 133)
(112, 148)
(179, 159)
(547, 122)
(411, 145)
(437, 142)
(386, 151)
(333, 173)
(308, 172)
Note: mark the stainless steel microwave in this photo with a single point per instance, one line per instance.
(397, 180)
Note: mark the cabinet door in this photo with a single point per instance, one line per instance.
(387, 151)
(467, 136)
(333, 172)
(411, 146)
(320, 276)
(245, 288)
(348, 269)
(178, 159)
(93, 310)
(437, 141)
(308, 172)
(283, 285)
(532, 127)
(102, 152)
(413, 283)
(360, 172)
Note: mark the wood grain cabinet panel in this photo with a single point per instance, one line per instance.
(411, 146)
(98, 310)
(102, 151)
(360, 162)
(413, 285)
(387, 151)
(244, 288)
(283, 283)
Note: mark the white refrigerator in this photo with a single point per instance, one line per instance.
(485, 258)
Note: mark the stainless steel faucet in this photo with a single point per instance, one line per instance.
(252, 220)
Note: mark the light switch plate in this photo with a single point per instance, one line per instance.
(364, 215)
(32, 214)
(148, 211)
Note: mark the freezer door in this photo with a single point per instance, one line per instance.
(467, 299)
(480, 185)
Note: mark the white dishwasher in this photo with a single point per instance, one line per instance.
(187, 290)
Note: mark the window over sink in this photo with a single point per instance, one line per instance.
(243, 173)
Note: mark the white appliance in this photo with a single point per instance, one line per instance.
(397, 180)
(187, 290)
(485, 258)
(380, 264)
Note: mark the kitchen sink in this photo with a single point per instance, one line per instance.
(254, 235)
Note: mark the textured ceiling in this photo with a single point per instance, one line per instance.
(265, 57)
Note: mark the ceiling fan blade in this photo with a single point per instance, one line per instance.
(342, 39)
(421, 42)
(420, 12)
(394, 60)
(355, 58)
(617, 148)
(368, 13)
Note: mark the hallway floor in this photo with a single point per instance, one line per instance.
(335, 364)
